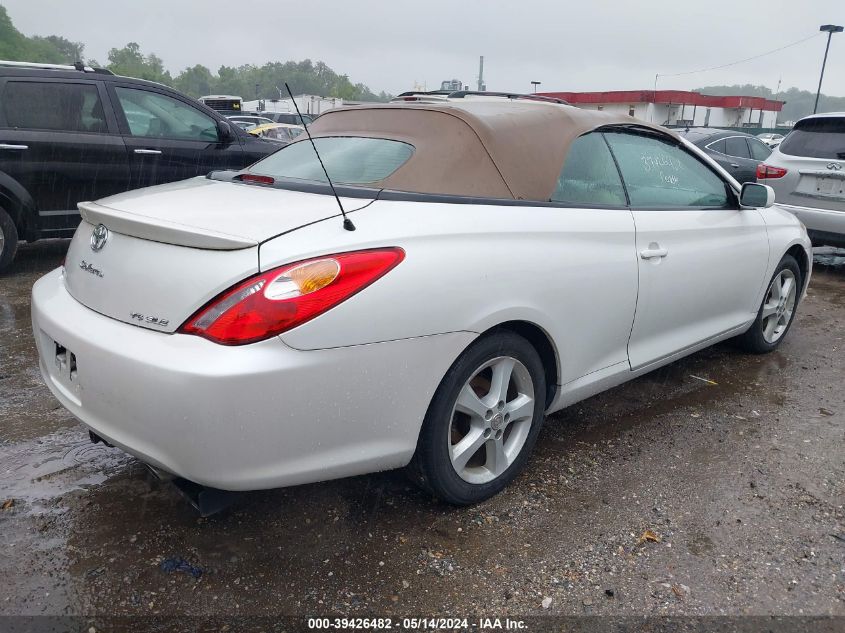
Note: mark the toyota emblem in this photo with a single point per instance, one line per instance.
(99, 237)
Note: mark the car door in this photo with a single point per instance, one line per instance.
(597, 247)
(59, 141)
(701, 259)
(759, 153)
(168, 138)
(736, 158)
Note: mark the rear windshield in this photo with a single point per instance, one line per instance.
(349, 160)
(816, 138)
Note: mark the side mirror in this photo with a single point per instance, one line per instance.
(755, 195)
(224, 130)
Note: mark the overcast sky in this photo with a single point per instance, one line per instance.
(390, 44)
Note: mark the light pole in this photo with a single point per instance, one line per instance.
(535, 84)
(830, 29)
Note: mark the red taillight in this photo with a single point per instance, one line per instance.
(767, 171)
(257, 179)
(270, 303)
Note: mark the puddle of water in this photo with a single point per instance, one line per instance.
(37, 472)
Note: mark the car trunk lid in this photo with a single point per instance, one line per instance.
(205, 213)
(149, 283)
(166, 251)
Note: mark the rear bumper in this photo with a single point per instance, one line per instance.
(238, 418)
(823, 225)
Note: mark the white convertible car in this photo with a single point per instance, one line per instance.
(509, 257)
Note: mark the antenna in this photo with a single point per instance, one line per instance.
(347, 223)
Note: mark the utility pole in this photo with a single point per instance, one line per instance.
(830, 29)
(481, 86)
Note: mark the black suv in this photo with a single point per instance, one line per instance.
(74, 133)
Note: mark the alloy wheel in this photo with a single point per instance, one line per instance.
(779, 305)
(491, 420)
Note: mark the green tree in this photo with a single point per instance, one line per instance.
(229, 81)
(304, 77)
(62, 50)
(745, 90)
(131, 62)
(15, 46)
(195, 81)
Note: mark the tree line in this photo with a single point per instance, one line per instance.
(248, 81)
(251, 82)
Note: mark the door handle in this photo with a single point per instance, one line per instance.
(148, 151)
(734, 165)
(654, 251)
(10, 146)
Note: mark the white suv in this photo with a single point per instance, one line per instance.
(807, 172)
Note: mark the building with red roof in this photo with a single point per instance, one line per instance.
(680, 107)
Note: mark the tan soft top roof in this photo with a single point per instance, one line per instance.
(489, 147)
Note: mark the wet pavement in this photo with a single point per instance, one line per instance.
(741, 484)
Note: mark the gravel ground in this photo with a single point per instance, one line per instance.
(668, 495)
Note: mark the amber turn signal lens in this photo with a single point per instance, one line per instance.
(303, 279)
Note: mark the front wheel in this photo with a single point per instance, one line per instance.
(777, 310)
(483, 420)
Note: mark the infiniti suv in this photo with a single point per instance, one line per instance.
(807, 172)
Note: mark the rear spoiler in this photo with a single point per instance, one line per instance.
(158, 230)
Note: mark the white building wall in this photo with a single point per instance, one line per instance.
(672, 114)
(742, 117)
(726, 117)
(770, 118)
(308, 104)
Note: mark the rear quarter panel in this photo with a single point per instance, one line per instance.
(572, 272)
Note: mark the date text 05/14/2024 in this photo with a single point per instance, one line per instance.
(417, 624)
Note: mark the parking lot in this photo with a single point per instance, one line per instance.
(713, 486)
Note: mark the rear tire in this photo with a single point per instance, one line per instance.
(777, 311)
(8, 240)
(483, 421)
